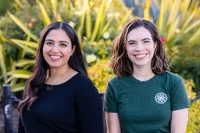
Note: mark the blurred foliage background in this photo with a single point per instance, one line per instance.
(97, 23)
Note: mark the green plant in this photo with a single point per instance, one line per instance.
(194, 110)
(100, 73)
(95, 24)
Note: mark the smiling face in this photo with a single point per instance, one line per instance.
(57, 48)
(140, 47)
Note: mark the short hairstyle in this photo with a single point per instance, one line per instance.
(122, 65)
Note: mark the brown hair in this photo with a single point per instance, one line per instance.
(39, 74)
(121, 64)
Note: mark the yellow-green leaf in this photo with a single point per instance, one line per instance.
(22, 26)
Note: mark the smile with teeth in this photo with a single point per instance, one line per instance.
(55, 56)
(140, 55)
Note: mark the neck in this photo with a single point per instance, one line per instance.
(58, 72)
(143, 73)
(58, 76)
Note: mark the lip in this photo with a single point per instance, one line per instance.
(55, 57)
(140, 56)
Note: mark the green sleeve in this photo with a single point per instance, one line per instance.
(110, 103)
(179, 98)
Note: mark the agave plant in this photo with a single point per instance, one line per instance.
(95, 25)
(177, 19)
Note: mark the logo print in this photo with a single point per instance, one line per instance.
(161, 98)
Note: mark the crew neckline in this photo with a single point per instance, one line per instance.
(146, 81)
(63, 82)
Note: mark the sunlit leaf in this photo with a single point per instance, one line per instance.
(23, 27)
(45, 17)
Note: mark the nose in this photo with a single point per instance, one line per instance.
(55, 48)
(139, 47)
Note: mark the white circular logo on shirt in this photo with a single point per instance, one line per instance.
(161, 98)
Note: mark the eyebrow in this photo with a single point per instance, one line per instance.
(53, 41)
(142, 40)
(146, 39)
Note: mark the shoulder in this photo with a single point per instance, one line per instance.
(117, 80)
(172, 80)
(171, 76)
(82, 79)
(116, 84)
(83, 83)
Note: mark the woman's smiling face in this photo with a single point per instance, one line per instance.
(140, 47)
(57, 48)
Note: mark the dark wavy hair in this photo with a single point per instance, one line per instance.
(38, 77)
(121, 64)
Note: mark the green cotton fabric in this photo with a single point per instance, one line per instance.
(146, 106)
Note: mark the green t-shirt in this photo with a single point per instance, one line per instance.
(146, 106)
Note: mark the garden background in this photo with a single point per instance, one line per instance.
(97, 22)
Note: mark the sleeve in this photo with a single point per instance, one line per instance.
(20, 126)
(110, 103)
(89, 108)
(179, 98)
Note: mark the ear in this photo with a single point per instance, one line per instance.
(155, 45)
(73, 49)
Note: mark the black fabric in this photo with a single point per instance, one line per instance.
(72, 107)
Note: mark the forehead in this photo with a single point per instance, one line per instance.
(139, 33)
(57, 34)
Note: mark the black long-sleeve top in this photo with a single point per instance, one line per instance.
(71, 107)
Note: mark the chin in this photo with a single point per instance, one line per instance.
(141, 63)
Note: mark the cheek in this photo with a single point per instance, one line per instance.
(44, 51)
(67, 52)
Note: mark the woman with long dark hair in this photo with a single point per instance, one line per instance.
(144, 97)
(59, 97)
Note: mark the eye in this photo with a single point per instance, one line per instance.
(131, 43)
(146, 41)
(63, 45)
(49, 43)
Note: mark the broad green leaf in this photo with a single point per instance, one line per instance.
(147, 10)
(59, 18)
(20, 74)
(45, 17)
(27, 43)
(172, 28)
(18, 87)
(27, 49)
(2, 62)
(100, 18)
(2, 58)
(188, 20)
(195, 37)
(88, 19)
(23, 27)
(163, 7)
(54, 7)
(24, 62)
(184, 7)
(81, 25)
(19, 3)
(196, 23)
(125, 19)
(174, 11)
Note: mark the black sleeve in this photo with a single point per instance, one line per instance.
(89, 108)
(20, 126)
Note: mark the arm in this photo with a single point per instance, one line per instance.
(179, 121)
(113, 124)
(20, 126)
(89, 109)
(179, 105)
